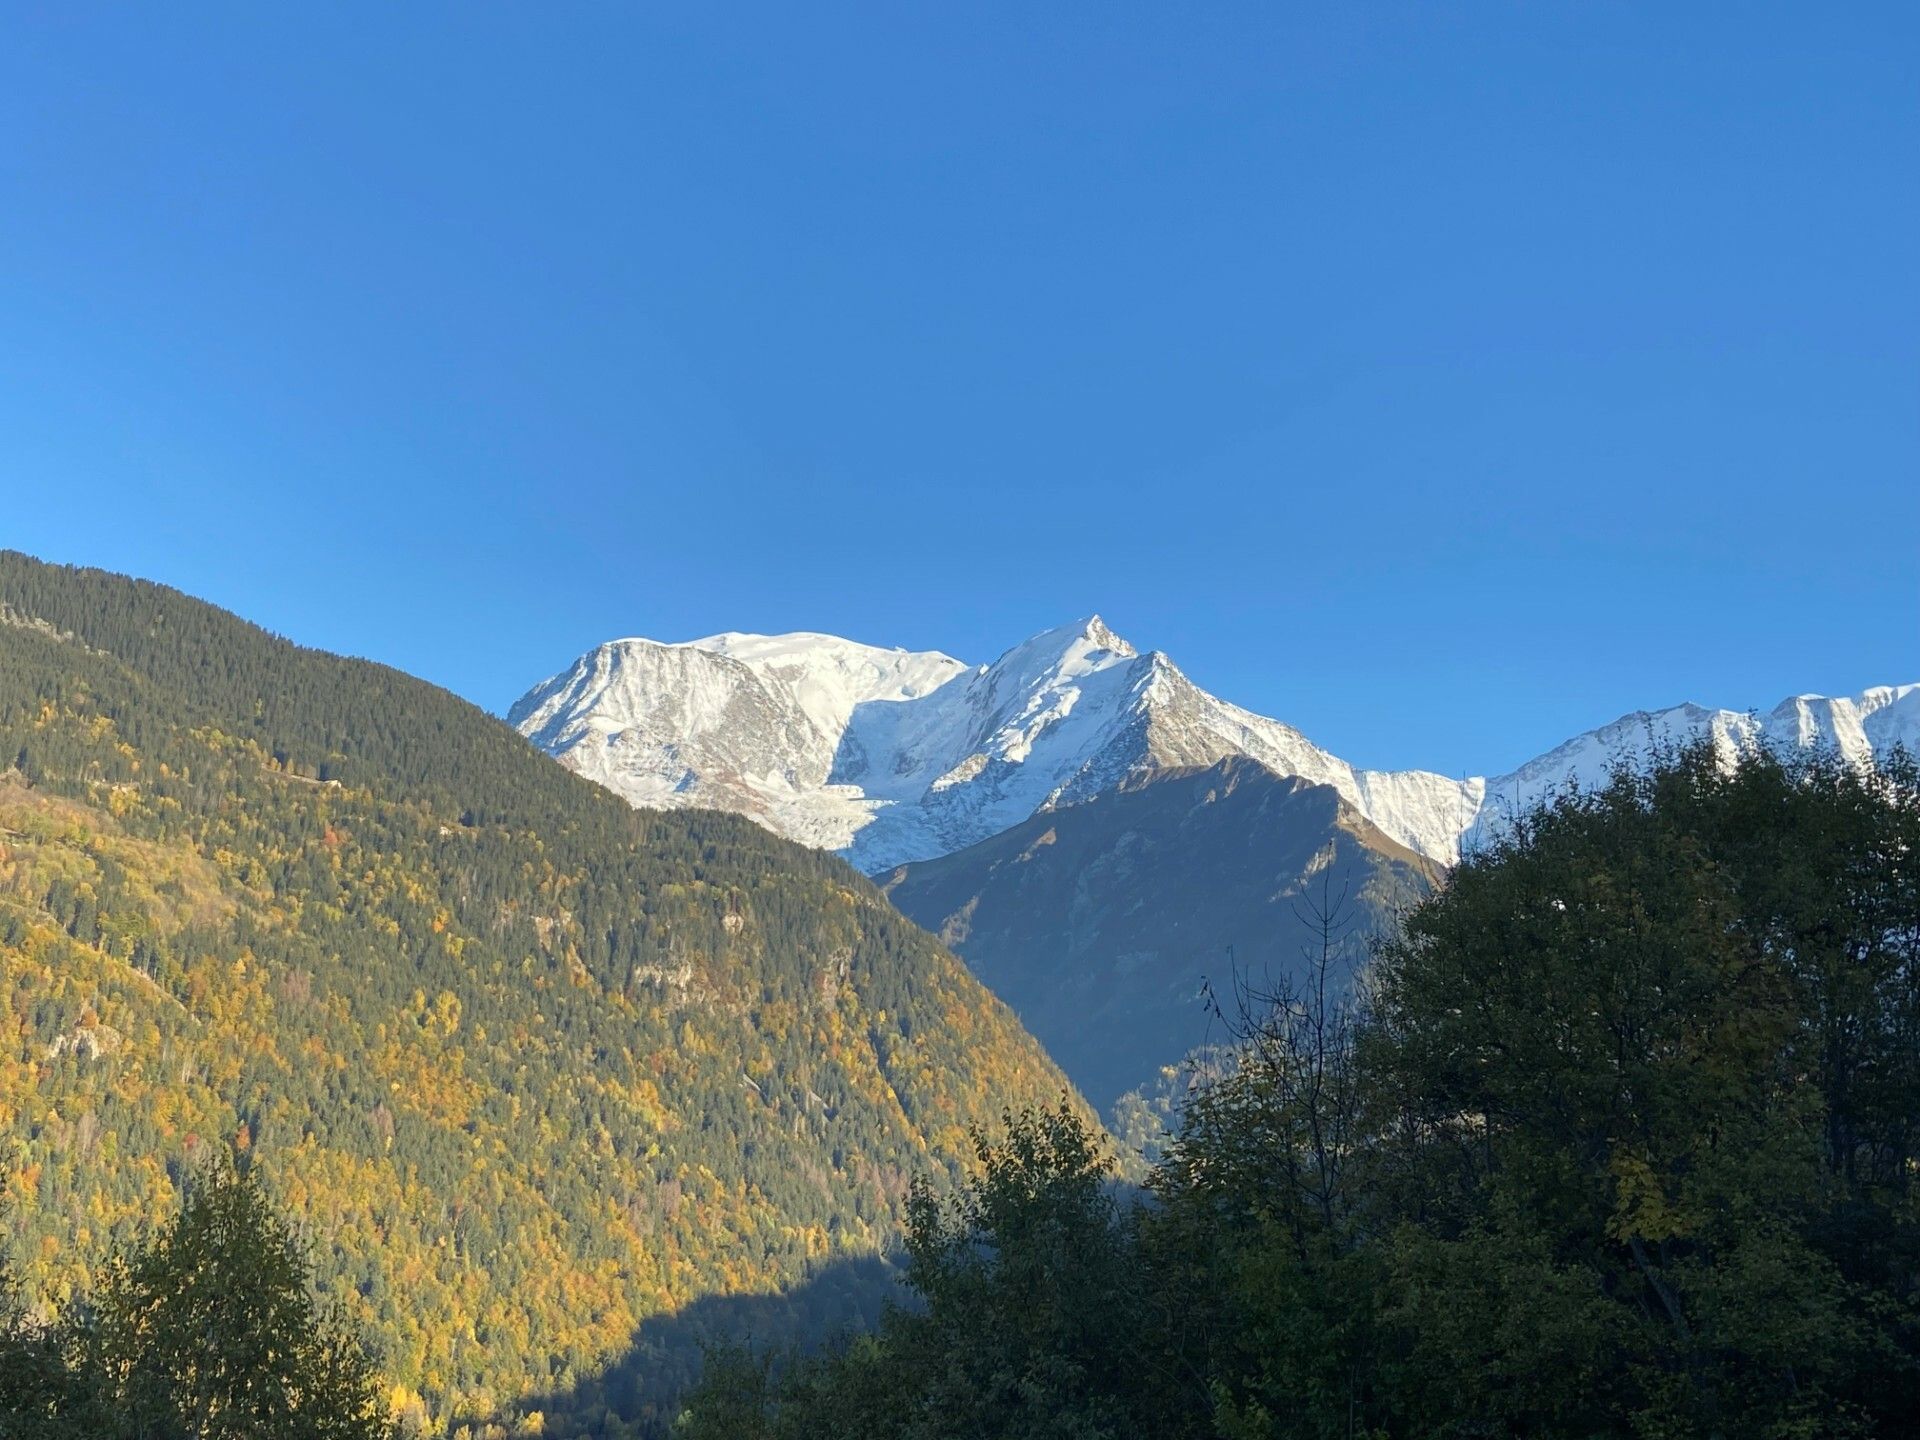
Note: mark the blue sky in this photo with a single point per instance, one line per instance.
(1443, 379)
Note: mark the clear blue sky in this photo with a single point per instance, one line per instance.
(1443, 379)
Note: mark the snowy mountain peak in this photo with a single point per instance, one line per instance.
(1081, 648)
(1095, 631)
(893, 755)
(890, 756)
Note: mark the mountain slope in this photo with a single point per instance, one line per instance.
(893, 756)
(1103, 923)
(528, 1065)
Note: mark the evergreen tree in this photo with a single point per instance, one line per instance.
(209, 1331)
(46, 1392)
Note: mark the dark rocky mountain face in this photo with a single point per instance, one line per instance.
(1105, 923)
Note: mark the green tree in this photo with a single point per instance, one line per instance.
(1026, 1327)
(1655, 1058)
(731, 1400)
(1027, 1283)
(1262, 1289)
(46, 1393)
(212, 1331)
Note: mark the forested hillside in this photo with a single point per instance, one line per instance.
(526, 1066)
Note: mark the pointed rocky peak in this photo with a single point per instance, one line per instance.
(1157, 675)
(1095, 630)
(1064, 653)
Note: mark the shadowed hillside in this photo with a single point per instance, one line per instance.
(639, 1393)
(1103, 923)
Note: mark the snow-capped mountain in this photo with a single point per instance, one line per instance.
(891, 756)
(1862, 729)
(759, 724)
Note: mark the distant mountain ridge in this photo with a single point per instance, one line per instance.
(895, 756)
